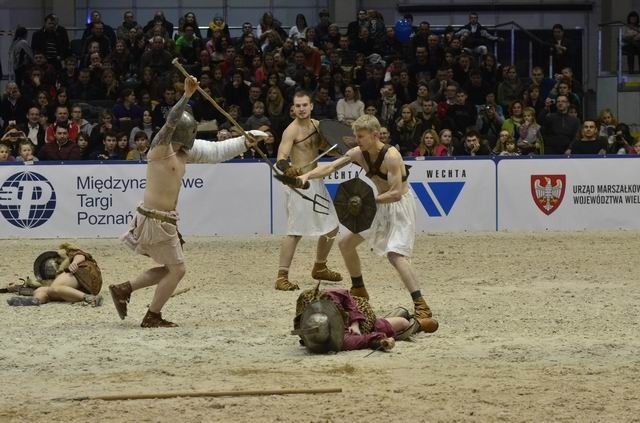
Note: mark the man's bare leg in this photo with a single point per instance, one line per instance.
(149, 277)
(320, 270)
(348, 245)
(166, 285)
(287, 250)
(422, 312)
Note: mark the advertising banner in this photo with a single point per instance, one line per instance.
(87, 200)
(568, 194)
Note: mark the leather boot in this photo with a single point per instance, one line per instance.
(283, 284)
(360, 291)
(155, 320)
(321, 272)
(423, 315)
(121, 294)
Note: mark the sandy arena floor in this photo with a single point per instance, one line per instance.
(533, 327)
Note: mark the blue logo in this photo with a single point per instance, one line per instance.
(440, 197)
(27, 200)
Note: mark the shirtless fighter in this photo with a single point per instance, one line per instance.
(301, 142)
(392, 232)
(153, 231)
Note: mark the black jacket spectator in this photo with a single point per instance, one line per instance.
(558, 130)
(52, 39)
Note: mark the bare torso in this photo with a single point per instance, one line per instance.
(303, 141)
(165, 170)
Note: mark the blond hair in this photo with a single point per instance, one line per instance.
(366, 122)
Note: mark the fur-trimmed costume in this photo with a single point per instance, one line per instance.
(394, 227)
(301, 219)
(88, 274)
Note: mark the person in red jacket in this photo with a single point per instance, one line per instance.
(62, 149)
(62, 119)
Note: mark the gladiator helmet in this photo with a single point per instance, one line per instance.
(321, 327)
(46, 265)
(185, 132)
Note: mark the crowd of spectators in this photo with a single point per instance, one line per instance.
(103, 96)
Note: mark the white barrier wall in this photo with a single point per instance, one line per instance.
(569, 194)
(87, 200)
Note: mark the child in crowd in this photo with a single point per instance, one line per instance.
(5, 152)
(83, 142)
(142, 147)
(122, 146)
(258, 118)
(25, 152)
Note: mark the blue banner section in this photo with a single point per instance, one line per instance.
(446, 193)
(425, 199)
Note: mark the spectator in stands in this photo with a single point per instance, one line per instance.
(69, 73)
(12, 136)
(477, 88)
(389, 105)
(61, 99)
(42, 103)
(477, 36)
(268, 24)
(438, 85)
(83, 88)
(5, 153)
(446, 140)
(109, 150)
(428, 115)
(106, 30)
(422, 94)
(545, 85)
(312, 60)
(589, 142)
(162, 109)
(323, 106)
(371, 88)
(462, 114)
(420, 69)
(631, 40)
(234, 112)
(430, 145)
(559, 129)
(26, 151)
(421, 35)
(128, 23)
(322, 29)
(490, 71)
(122, 145)
(561, 54)
(62, 149)
(98, 35)
(364, 43)
(529, 136)
(607, 124)
(76, 117)
(158, 18)
(33, 129)
(62, 119)
(510, 89)
(13, 106)
(515, 119)
(298, 30)
(120, 60)
(349, 108)
(407, 131)
(218, 24)
(461, 69)
(450, 94)
(347, 56)
(189, 18)
(104, 125)
(145, 126)
(20, 55)
(405, 89)
(532, 98)
(53, 40)
(624, 140)
(472, 145)
(141, 142)
(157, 58)
(188, 45)
(257, 119)
(127, 110)
(564, 88)
(354, 27)
(83, 141)
(110, 87)
(489, 124)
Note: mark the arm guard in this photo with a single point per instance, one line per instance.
(215, 152)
